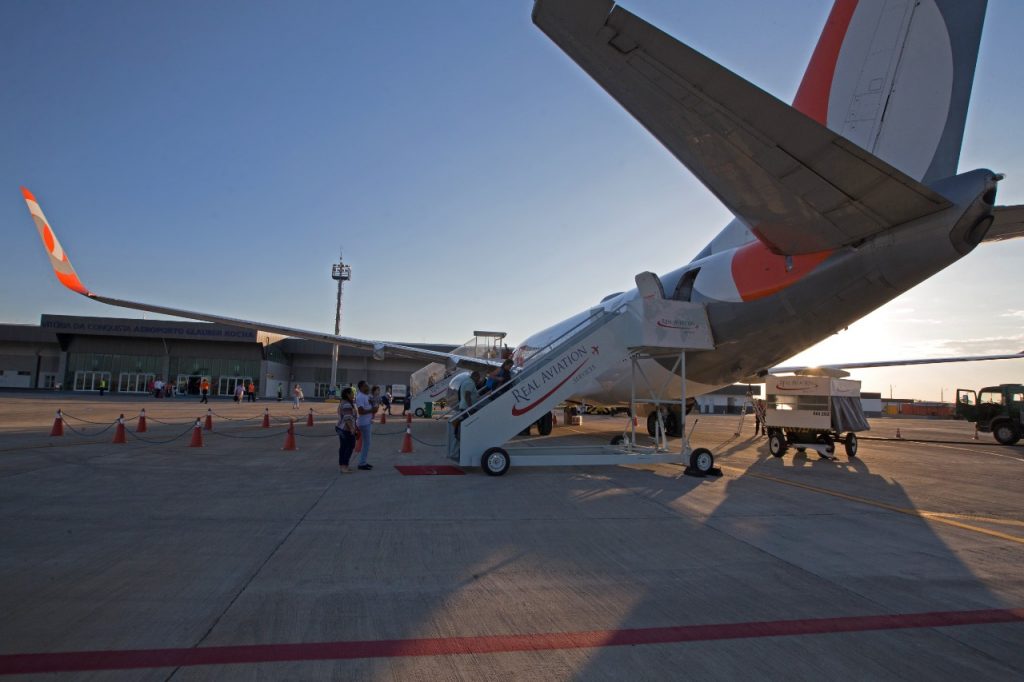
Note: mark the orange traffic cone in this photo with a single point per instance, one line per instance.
(197, 436)
(309, 417)
(898, 433)
(407, 441)
(383, 417)
(58, 425)
(119, 433)
(141, 428)
(289, 438)
(209, 419)
(266, 418)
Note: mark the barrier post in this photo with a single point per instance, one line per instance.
(142, 428)
(309, 417)
(407, 441)
(289, 438)
(266, 418)
(58, 425)
(209, 419)
(119, 433)
(197, 435)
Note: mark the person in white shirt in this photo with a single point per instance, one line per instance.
(365, 423)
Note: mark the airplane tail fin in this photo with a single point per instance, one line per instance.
(895, 77)
(58, 258)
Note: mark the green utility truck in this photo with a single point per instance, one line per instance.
(996, 409)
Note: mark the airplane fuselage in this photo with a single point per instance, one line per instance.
(764, 308)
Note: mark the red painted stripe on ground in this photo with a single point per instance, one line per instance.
(79, 661)
(429, 470)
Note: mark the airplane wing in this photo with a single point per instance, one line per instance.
(1008, 223)
(799, 187)
(64, 271)
(824, 369)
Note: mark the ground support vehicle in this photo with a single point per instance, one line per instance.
(811, 413)
(651, 329)
(998, 410)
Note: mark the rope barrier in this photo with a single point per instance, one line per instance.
(79, 419)
(75, 431)
(311, 435)
(158, 421)
(159, 442)
(431, 445)
(276, 434)
(236, 419)
(387, 433)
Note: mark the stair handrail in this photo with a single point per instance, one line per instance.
(557, 341)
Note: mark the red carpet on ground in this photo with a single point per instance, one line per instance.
(429, 470)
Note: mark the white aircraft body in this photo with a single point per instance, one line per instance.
(842, 201)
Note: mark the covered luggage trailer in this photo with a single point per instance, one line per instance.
(811, 413)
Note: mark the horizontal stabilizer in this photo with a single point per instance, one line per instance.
(800, 187)
(1008, 223)
(802, 369)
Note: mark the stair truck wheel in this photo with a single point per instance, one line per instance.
(1005, 433)
(544, 424)
(672, 422)
(851, 444)
(777, 443)
(419, 412)
(826, 440)
(495, 461)
(652, 423)
(618, 440)
(702, 460)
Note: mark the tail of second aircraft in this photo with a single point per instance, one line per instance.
(894, 77)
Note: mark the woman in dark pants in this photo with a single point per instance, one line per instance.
(346, 429)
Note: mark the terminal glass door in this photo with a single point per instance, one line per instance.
(188, 384)
(134, 382)
(226, 385)
(90, 381)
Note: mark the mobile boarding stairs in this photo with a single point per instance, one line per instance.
(647, 327)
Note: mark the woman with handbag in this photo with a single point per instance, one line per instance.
(346, 429)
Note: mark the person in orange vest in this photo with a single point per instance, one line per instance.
(204, 390)
(252, 391)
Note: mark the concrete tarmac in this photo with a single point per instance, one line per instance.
(155, 561)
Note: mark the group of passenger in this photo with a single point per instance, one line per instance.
(355, 414)
(158, 389)
(475, 386)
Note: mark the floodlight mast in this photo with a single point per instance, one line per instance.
(341, 273)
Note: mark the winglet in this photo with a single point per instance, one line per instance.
(58, 258)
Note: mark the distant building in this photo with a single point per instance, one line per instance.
(907, 407)
(727, 400)
(730, 400)
(76, 353)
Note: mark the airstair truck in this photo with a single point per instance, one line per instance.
(998, 410)
(811, 412)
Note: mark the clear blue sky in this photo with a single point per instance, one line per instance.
(216, 155)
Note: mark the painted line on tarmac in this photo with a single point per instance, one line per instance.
(938, 517)
(945, 444)
(81, 661)
(982, 452)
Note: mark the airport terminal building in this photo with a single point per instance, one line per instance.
(74, 353)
